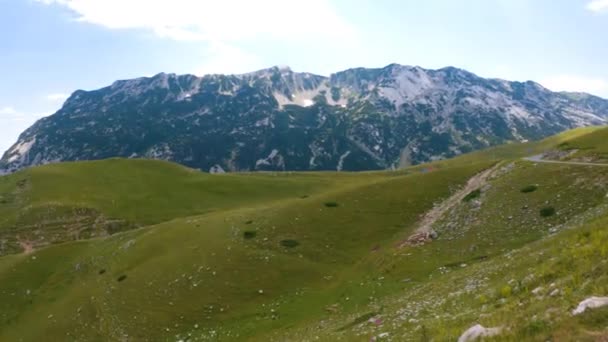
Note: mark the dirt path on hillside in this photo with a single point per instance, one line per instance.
(424, 232)
(539, 159)
(28, 248)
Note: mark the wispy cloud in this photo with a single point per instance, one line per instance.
(598, 5)
(594, 86)
(226, 20)
(5, 111)
(57, 97)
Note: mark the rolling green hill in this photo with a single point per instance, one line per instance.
(589, 147)
(137, 250)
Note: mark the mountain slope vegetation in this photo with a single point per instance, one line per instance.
(171, 254)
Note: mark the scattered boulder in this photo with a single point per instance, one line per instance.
(421, 238)
(216, 169)
(590, 303)
(128, 244)
(334, 308)
(383, 335)
(537, 291)
(478, 331)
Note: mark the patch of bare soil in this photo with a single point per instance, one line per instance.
(425, 233)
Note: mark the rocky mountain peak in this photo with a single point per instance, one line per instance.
(278, 119)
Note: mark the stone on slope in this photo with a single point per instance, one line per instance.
(478, 331)
(590, 303)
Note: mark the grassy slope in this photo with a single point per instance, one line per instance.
(592, 146)
(193, 275)
(441, 289)
(53, 203)
(520, 150)
(164, 262)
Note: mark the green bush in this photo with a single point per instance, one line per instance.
(529, 188)
(331, 204)
(250, 234)
(547, 212)
(122, 277)
(472, 195)
(506, 291)
(290, 243)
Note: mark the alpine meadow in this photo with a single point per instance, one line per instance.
(303, 171)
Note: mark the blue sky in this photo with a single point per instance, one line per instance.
(49, 48)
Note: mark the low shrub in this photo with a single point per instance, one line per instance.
(547, 212)
(529, 188)
(506, 291)
(472, 195)
(250, 234)
(331, 204)
(290, 243)
(122, 277)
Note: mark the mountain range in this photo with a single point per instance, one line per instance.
(278, 119)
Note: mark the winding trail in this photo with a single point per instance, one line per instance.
(425, 226)
(424, 231)
(539, 159)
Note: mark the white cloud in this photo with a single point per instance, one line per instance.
(58, 97)
(222, 58)
(6, 111)
(577, 83)
(597, 5)
(225, 20)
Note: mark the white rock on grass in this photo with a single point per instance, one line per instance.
(590, 303)
(538, 290)
(478, 331)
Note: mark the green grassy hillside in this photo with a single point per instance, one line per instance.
(136, 250)
(69, 201)
(589, 147)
